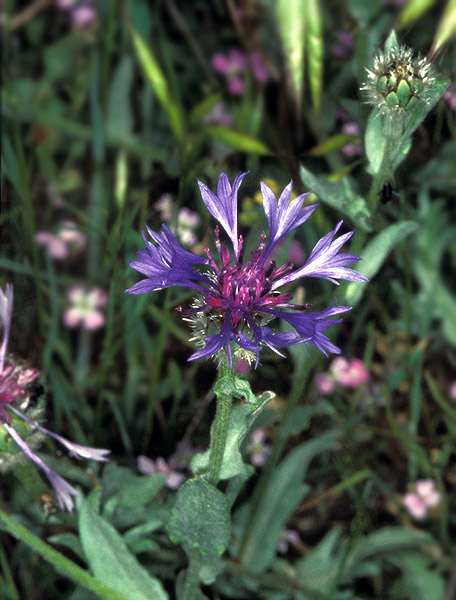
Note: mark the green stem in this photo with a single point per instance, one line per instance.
(192, 577)
(222, 417)
(60, 562)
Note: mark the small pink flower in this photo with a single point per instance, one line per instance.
(351, 129)
(349, 374)
(425, 497)
(147, 466)
(58, 246)
(324, 383)
(55, 247)
(258, 449)
(85, 307)
(258, 69)
(165, 206)
(187, 222)
(350, 150)
(450, 95)
(220, 115)
(453, 390)
(287, 537)
(235, 86)
(83, 16)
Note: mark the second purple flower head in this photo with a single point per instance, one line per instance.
(237, 299)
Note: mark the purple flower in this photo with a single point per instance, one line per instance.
(13, 390)
(238, 299)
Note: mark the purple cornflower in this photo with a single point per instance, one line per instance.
(240, 298)
(13, 391)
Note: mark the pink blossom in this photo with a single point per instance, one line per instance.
(350, 150)
(422, 499)
(58, 246)
(187, 222)
(147, 466)
(258, 449)
(219, 115)
(234, 65)
(84, 310)
(55, 247)
(287, 537)
(83, 16)
(235, 86)
(165, 207)
(258, 68)
(351, 128)
(349, 374)
(453, 390)
(450, 95)
(324, 383)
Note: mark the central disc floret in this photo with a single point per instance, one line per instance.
(244, 290)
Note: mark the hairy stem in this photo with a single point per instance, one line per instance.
(222, 416)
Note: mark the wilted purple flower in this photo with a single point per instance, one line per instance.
(238, 298)
(13, 391)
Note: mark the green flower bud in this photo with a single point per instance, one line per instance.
(397, 80)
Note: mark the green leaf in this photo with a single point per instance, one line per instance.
(384, 541)
(128, 490)
(111, 561)
(421, 109)
(119, 119)
(413, 10)
(283, 494)
(200, 519)
(315, 46)
(374, 141)
(159, 84)
(374, 255)
(237, 141)
(291, 18)
(391, 42)
(419, 581)
(339, 196)
(320, 569)
(58, 561)
(241, 420)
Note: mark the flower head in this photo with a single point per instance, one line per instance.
(240, 298)
(17, 425)
(422, 499)
(85, 308)
(397, 80)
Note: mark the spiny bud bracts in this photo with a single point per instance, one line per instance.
(398, 80)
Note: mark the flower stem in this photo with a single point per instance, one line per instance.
(220, 430)
(192, 577)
